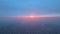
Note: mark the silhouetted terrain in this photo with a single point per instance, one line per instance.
(23, 26)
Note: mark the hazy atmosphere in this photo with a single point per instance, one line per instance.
(24, 7)
(29, 16)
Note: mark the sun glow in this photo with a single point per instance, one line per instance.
(31, 16)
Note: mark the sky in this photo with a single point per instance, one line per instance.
(26, 7)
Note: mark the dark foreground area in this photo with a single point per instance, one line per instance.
(23, 26)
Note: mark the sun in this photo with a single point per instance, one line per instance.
(32, 16)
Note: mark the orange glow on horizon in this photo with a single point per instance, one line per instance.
(31, 16)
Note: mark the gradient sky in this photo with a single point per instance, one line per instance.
(24, 7)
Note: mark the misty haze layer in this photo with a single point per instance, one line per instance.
(24, 26)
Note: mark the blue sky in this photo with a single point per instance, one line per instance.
(24, 7)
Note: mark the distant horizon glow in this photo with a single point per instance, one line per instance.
(41, 16)
(32, 15)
